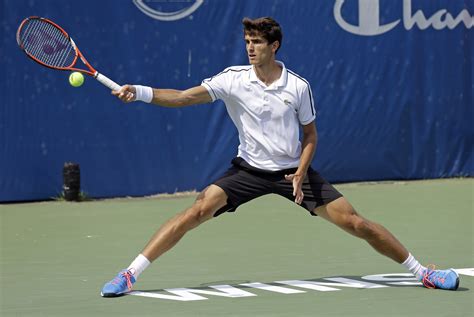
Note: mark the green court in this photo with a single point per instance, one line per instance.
(56, 256)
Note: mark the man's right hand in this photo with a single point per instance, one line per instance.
(126, 93)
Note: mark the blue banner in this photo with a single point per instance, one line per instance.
(393, 83)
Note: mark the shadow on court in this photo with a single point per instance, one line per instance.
(311, 282)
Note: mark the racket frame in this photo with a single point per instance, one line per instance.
(78, 55)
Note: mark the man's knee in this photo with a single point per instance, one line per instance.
(362, 227)
(200, 211)
(206, 204)
(354, 223)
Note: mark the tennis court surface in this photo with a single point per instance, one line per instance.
(270, 258)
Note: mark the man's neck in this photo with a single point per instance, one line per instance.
(268, 73)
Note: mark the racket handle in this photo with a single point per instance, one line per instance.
(107, 81)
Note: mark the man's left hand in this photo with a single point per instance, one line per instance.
(297, 181)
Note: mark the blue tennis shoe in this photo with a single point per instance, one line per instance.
(121, 284)
(442, 279)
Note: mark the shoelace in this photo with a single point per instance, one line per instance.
(128, 278)
(428, 278)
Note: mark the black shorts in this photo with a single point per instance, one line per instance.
(243, 183)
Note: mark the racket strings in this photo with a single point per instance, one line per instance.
(47, 43)
(59, 59)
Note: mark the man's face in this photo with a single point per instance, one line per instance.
(259, 51)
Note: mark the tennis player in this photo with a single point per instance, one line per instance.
(268, 104)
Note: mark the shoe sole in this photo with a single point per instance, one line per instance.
(110, 295)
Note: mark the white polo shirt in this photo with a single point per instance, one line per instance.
(267, 118)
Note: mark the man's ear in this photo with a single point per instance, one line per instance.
(275, 46)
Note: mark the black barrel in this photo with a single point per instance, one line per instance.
(71, 181)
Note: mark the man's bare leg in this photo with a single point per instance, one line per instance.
(341, 213)
(207, 203)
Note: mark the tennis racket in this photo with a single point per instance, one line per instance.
(48, 44)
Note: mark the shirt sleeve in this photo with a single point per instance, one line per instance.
(218, 85)
(306, 111)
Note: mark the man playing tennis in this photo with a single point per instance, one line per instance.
(268, 104)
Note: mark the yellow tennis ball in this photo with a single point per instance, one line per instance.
(76, 79)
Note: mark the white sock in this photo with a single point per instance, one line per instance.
(138, 265)
(414, 266)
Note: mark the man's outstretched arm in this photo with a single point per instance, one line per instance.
(165, 97)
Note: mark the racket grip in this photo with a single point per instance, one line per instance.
(107, 81)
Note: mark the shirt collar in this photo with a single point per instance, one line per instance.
(280, 82)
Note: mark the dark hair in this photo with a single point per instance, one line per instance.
(267, 27)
